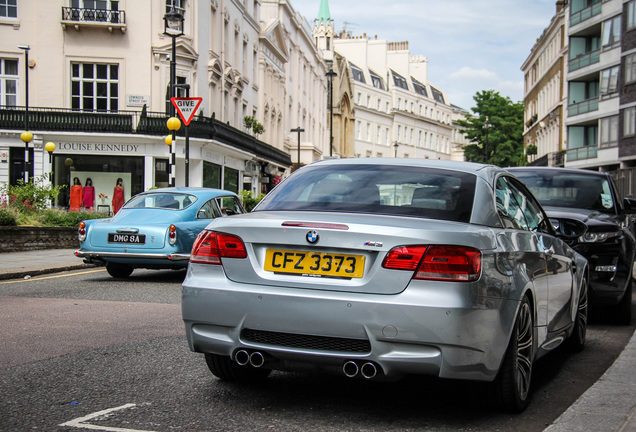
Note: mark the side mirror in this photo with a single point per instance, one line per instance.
(569, 229)
(629, 204)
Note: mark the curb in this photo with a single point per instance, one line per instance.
(20, 274)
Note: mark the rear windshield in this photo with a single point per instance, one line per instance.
(385, 190)
(172, 201)
(554, 189)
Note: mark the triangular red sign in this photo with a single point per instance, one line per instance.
(186, 107)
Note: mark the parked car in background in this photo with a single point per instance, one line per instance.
(154, 229)
(608, 244)
(381, 268)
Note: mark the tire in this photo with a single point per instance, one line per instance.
(121, 271)
(576, 341)
(512, 385)
(624, 307)
(223, 367)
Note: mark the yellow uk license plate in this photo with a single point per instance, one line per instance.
(314, 263)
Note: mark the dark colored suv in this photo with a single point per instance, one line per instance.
(608, 244)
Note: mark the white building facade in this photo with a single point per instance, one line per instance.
(99, 79)
(398, 112)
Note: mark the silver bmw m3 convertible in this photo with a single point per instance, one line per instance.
(381, 268)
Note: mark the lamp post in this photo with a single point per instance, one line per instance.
(173, 124)
(395, 147)
(330, 75)
(487, 125)
(187, 139)
(173, 27)
(299, 130)
(50, 147)
(26, 136)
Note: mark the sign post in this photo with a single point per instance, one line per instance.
(187, 108)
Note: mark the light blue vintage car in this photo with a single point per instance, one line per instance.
(154, 229)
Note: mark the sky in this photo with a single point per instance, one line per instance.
(471, 45)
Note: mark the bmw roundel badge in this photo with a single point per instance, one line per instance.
(312, 237)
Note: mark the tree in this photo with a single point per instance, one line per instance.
(500, 144)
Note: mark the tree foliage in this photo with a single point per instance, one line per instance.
(500, 144)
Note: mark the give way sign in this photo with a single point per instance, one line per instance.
(186, 107)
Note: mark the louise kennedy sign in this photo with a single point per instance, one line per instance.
(102, 148)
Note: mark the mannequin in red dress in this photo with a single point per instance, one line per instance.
(88, 194)
(76, 195)
(118, 195)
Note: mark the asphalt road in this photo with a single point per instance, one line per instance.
(82, 350)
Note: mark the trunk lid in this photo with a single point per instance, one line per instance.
(283, 248)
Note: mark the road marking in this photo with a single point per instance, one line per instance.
(51, 277)
(79, 422)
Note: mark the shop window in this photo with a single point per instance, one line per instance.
(231, 179)
(8, 82)
(9, 8)
(94, 87)
(162, 173)
(211, 175)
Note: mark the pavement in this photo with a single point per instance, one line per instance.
(608, 406)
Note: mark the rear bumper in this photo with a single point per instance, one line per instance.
(427, 329)
(105, 256)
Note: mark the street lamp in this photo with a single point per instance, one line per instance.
(50, 147)
(187, 139)
(487, 125)
(330, 75)
(26, 136)
(395, 147)
(173, 27)
(299, 130)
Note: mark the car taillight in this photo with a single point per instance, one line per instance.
(440, 263)
(81, 232)
(172, 234)
(211, 246)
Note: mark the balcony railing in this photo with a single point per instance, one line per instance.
(583, 107)
(584, 60)
(93, 15)
(586, 13)
(580, 153)
(134, 122)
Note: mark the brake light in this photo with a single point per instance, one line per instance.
(440, 263)
(404, 257)
(210, 246)
(172, 234)
(81, 232)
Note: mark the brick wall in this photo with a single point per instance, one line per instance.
(21, 238)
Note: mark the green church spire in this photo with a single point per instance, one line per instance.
(323, 13)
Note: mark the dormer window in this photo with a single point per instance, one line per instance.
(399, 81)
(358, 75)
(419, 87)
(376, 81)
